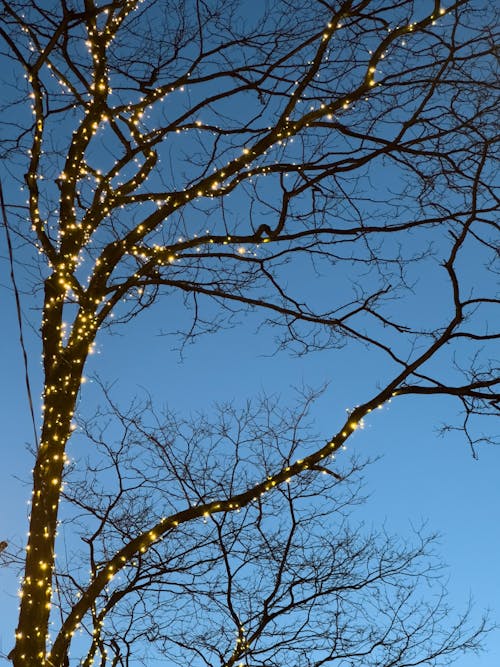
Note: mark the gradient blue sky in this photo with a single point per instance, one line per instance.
(420, 476)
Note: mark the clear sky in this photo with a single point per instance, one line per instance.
(419, 477)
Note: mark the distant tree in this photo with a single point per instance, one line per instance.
(219, 150)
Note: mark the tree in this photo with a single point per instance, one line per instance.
(190, 148)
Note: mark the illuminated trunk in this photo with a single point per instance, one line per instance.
(63, 372)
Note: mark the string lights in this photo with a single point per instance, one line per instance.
(66, 346)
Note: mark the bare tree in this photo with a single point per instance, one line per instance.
(187, 147)
(291, 579)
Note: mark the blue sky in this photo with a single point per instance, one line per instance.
(420, 477)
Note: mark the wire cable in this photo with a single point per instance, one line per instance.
(19, 312)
